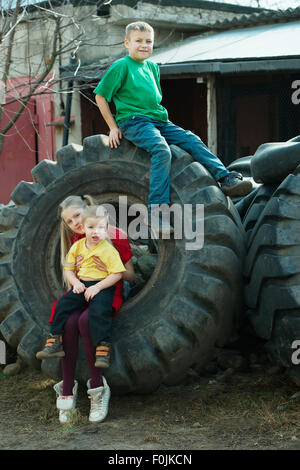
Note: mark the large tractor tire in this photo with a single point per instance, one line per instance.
(272, 270)
(260, 198)
(242, 165)
(294, 139)
(192, 301)
(272, 162)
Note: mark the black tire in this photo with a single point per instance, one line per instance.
(272, 162)
(272, 271)
(191, 302)
(294, 139)
(260, 197)
(242, 165)
(243, 204)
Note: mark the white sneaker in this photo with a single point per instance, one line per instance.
(66, 404)
(99, 401)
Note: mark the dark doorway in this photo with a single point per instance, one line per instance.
(92, 123)
(185, 100)
(253, 110)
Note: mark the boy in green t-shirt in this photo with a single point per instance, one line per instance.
(133, 83)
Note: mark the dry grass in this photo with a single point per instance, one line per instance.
(150, 437)
(260, 410)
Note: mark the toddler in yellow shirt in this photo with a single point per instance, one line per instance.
(89, 286)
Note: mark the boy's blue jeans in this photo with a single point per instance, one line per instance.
(155, 137)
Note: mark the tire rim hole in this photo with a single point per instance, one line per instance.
(145, 252)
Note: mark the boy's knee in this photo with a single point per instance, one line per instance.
(161, 153)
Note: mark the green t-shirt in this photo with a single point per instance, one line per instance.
(135, 89)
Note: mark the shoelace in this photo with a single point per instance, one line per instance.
(96, 403)
(236, 174)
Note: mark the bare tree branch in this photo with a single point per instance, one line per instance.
(10, 35)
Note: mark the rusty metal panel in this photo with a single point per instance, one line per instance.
(18, 155)
(29, 140)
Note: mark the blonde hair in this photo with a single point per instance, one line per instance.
(65, 232)
(138, 26)
(96, 212)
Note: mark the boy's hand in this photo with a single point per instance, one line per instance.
(78, 287)
(91, 292)
(115, 135)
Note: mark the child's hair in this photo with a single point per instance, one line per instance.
(137, 26)
(65, 232)
(98, 212)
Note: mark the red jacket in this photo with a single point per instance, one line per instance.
(121, 243)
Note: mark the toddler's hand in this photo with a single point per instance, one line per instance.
(114, 137)
(91, 292)
(78, 288)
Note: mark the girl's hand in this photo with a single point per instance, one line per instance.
(78, 262)
(115, 135)
(91, 292)
(78, 287)
(101, 266)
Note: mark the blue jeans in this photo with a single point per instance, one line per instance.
(155, 137)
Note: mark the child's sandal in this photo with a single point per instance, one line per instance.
(102, 355)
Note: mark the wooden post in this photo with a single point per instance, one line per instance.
(211, 114)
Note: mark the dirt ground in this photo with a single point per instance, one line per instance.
(255, 409)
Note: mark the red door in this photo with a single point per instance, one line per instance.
(30, 139)
(19, 152)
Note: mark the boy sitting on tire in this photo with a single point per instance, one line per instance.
(133, 83)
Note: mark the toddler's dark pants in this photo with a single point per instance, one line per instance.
(100, 307)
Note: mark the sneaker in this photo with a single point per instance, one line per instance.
(53, 348)
(99, 401)
(158, 222)
(66, 404)
(233, 184)
(102, 355)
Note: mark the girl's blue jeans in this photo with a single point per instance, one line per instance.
(155, 137)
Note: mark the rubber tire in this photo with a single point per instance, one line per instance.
(241, 165)
(272, 272)
(193, 300)
(294, 139)
(260, 197)
(272, 162)
(243, 204)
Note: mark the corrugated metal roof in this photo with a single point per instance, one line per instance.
(263, 17)
(268, 41)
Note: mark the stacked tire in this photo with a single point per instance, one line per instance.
(272, 266)
(192, 302)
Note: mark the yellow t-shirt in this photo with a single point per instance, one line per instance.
(104, 250)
